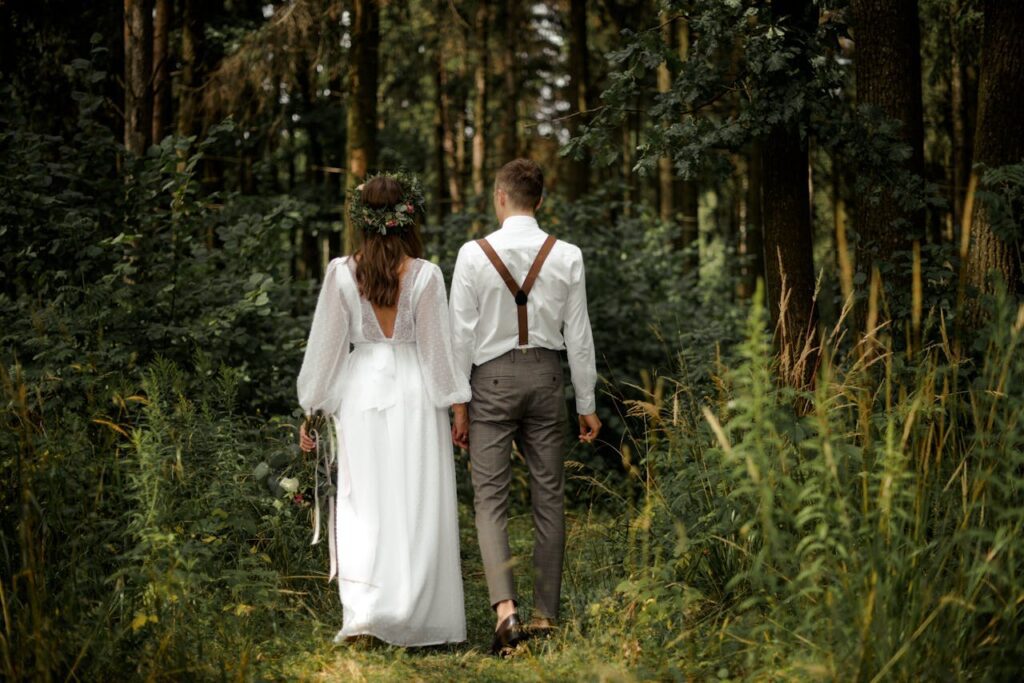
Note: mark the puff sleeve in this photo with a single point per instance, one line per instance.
(319, 380)
(445, 385)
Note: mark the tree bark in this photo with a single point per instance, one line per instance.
(788, 240)
(999, 139)
(453, 122)
(507, 145)
(161, 69)
(441, 131)
(138, 61)
(193, 49)
(888, 73)
(963, 82)
(480, 74)
(579, 95)
(753, 243)
(689, 194)
(361, 113)
(666, 189)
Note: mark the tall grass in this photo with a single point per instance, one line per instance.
(868, 529)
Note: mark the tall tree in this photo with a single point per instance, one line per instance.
(788, 241)
(888, 72)
(507, 65)
(138, 60)
(361, 112)
(689, 225)
(579, 93)
(480, 78)
(963, 96)
(193, 51)
(453, 111)
(666, 189)
(161, 69)
(752, 244)
(998, 140)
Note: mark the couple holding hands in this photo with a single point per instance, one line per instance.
(387, 356)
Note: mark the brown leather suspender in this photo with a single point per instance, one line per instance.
(520, 293)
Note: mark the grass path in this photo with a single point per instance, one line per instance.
(564, 656)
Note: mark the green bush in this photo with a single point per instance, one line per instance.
(869, 530)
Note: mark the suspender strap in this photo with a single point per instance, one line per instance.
(520, 293)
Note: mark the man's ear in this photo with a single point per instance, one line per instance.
(539, 202)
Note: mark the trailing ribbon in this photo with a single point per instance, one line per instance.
(327, 454)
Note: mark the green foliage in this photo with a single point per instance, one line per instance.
(870, 530)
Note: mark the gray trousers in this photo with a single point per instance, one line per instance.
(520, 396)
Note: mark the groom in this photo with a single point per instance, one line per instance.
(518, 297)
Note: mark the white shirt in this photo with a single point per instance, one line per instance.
(483, 311)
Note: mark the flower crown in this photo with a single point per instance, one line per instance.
(388, 219)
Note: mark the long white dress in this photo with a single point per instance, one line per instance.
(396, 524)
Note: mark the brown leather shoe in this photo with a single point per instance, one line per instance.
(508, 634)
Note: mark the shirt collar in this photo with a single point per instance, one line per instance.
(520, 224)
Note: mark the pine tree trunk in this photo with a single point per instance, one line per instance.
(788, 241)
(480, 74)
(443, 200)
(361, 114)
(666, 189)
(999, 139)
(888, 72)
(963, 80)
(753, 244)
(193, 49)
(579, 94)
(689, 194)
(161, 69)
(138, 65)
(507, 143)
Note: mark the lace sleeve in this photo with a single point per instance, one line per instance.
(445, 385)
(319, 378)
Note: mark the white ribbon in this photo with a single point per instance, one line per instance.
(328, 454)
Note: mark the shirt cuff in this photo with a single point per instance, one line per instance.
(586, 403)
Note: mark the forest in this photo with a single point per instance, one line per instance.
(803, 228)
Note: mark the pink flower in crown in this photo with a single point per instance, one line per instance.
(392, 223)
(409, 208)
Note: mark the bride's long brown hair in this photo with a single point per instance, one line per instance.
(380, 256)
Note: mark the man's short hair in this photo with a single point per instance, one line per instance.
(523, 182)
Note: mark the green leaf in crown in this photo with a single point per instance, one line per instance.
(393, 219)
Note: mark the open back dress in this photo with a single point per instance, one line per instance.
(395, 522)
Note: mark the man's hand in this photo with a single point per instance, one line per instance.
(460, 428)
(306, 442)
(589, 427)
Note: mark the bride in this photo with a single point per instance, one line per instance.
(395, 523)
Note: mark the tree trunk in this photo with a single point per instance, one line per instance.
(999, 139)
(193, 50)
(138, 65)
(963, 82)
(441, 131)
(507, 146)
(579, 95)
(788, 240)
(689, 194)
(666, 190)
(451, 141)
(361, 114)
(161, 69)
(753, 244)
(480, 74)
(888, 72)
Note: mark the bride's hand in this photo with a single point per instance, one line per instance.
(306, 442)
(460, 427)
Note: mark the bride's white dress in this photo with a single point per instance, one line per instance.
(396, 526)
